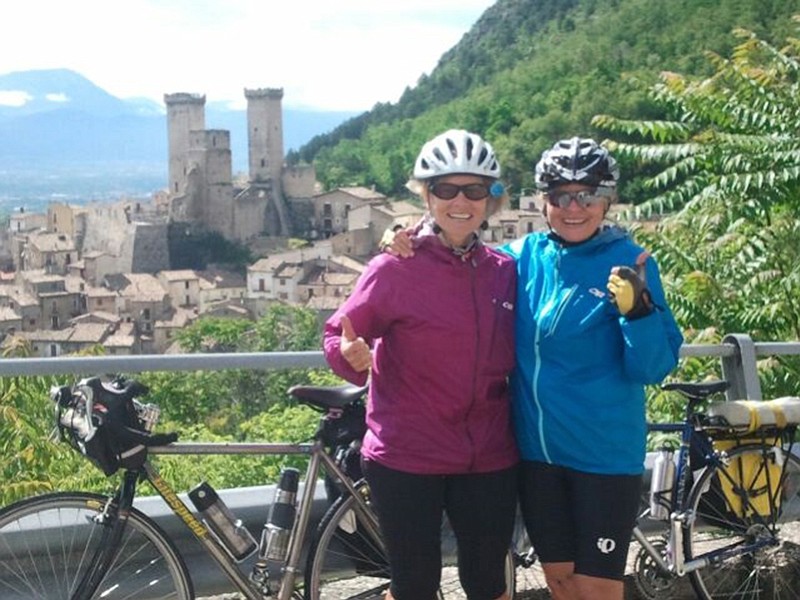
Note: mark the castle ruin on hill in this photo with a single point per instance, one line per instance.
(201, 186)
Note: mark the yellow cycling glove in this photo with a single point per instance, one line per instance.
(629, 292)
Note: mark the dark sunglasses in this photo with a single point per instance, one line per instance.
(448, 191)
(584, 199)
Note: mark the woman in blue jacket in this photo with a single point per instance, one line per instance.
(592, 329)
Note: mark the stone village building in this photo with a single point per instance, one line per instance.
(99, 274)
(142, 312)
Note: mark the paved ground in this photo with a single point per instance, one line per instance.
(530, 586)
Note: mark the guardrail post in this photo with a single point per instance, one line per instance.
(740, 369)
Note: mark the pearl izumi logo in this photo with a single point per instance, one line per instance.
(606, 545)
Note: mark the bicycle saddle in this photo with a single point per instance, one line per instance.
(699, 390)
(324, 397)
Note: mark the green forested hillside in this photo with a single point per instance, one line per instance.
(532, 71)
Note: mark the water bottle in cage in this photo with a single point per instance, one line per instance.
(235, 537)
(661, 484)
(275, 537)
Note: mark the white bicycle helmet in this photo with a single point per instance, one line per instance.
(576, 160)
(456, 151)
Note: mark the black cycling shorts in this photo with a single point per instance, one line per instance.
(579, 517)
(481, 508)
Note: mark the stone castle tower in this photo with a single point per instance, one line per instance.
(185, 113)
(264, 134)
(200, 168)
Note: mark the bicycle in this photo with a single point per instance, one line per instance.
(81, 545)
(730, 514)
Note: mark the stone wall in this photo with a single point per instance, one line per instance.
(300, 181)
(149, 248)
(134, 247)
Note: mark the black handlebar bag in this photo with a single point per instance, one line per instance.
(117, 437)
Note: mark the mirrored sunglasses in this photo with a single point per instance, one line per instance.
(584, 199)
(448, 191)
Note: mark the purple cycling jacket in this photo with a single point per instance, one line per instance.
(441, 328)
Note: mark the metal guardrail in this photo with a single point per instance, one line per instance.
(738, 354)
(161, 362)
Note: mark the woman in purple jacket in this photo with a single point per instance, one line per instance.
(437, 332)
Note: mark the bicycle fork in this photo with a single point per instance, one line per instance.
(112, 521)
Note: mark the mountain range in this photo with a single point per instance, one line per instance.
(60, 134)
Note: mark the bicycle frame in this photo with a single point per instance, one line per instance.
(252, 590)
(680, 516)
(675, 563)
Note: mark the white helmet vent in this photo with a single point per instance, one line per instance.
(456, 152)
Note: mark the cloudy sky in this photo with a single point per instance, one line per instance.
(325, 54)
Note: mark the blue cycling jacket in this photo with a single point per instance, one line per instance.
(577, 389)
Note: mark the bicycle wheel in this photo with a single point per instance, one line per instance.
(47, 544)
(772, 568)
(346, 562)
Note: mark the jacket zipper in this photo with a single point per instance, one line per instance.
(535, 391)
(472, 269)
(538, 363)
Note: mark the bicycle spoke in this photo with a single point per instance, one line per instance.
(753, 555)
(47, 543)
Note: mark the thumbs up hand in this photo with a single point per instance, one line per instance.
(628, 289)
(353, 348)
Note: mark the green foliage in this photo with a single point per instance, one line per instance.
(531, 71)
(223, 400)
(279, 423)
(728, 176)
(227, 405)
(32, 460)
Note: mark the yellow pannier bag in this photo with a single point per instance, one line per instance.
(754, 477)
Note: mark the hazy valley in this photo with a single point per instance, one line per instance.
(71, 141)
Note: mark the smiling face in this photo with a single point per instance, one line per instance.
(459, 217)
(575, 223)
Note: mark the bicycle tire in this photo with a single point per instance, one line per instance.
(345, 562)
(772, 571)
(46, 543)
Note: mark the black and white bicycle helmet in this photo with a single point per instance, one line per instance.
(576, 160)
(456, 151)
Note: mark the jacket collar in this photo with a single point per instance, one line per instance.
(603, 236)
